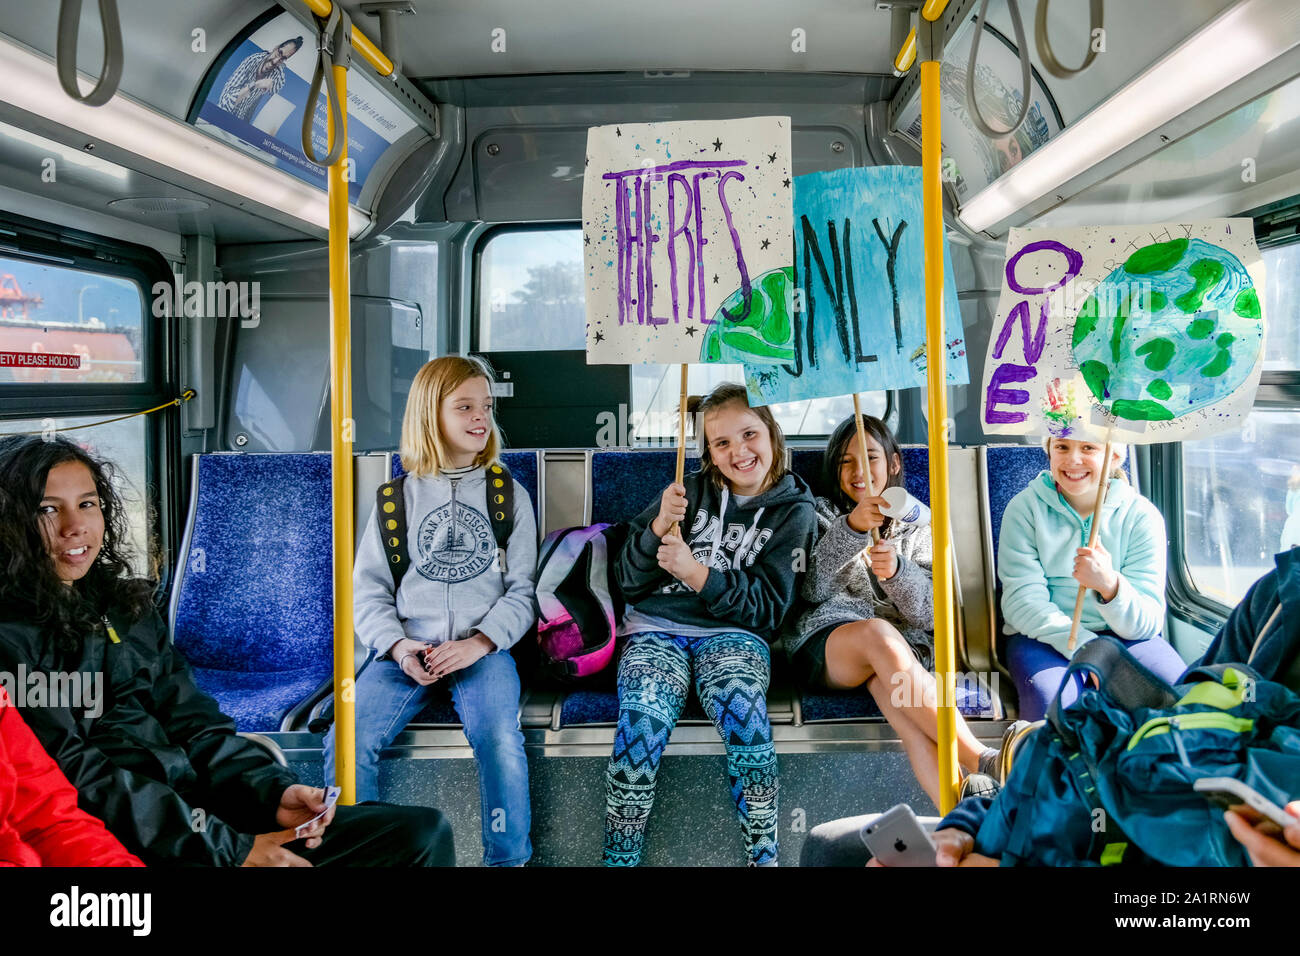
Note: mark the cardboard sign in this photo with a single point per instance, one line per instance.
(859, 320)
(686, 235)
(1156, 330)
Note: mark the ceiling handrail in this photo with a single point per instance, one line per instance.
(65, 58)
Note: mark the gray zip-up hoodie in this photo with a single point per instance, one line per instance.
(840, 588)
(455, 584)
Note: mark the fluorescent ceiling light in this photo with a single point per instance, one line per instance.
(1240, 41)
(67, 154)
(29, 81)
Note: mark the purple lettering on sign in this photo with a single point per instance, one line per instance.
(636, 238)
(997, 395)
(651, 237)
(1033, 343)
(1020, 312)
(674, 180)
(745, 290)
(1073, 265)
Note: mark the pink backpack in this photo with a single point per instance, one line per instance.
(578, 602)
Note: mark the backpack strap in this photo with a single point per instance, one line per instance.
(1020, 839)
(501, 508)
(1106, 849)
(1124, 680)
(390, 512)
(1108, 846)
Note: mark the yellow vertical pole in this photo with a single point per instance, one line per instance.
(936, 365)
(341, 427)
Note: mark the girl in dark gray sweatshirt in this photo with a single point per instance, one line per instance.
(868, 610)
(706, 600)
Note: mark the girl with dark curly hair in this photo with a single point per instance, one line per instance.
(154, 755)
(63, 531)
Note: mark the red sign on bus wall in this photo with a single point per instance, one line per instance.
(38, 360)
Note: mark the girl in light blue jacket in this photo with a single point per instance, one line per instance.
(1043, 558)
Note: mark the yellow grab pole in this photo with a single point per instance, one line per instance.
(936, 364)
(341, 427)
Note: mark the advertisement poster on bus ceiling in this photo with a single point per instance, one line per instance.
(1149, 333)
(256, 103)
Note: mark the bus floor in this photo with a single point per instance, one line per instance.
(846, 770)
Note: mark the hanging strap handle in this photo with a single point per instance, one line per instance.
(1045, 53)
(972, 107)
(333, 48)
(65, 55)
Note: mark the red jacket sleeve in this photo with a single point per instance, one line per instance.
(45, 812)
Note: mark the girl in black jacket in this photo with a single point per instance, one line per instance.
(706, 604)
(150, 754)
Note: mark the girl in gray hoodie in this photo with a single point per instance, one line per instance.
(868, 613)
(460, 607)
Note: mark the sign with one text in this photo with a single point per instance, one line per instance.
(1156, 331)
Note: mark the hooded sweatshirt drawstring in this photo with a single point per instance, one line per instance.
(745, 541)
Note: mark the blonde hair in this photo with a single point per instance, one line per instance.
(423, 449)
(1119, 449)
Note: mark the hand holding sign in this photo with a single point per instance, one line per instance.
(1141, 333)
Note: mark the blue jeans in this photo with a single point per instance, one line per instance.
(486, 696)
(1038, 669)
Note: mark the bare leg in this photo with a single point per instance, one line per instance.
(921, 751)
(905, 692)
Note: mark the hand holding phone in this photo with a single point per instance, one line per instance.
(331, 798)
(896, 838)
(1229, 793)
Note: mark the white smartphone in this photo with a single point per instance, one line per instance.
(1231, 794)
(896, 838)
(331, 798)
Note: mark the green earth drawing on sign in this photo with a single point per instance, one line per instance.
(1176, 328)
(765, 336)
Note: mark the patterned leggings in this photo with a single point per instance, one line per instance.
(654, 680)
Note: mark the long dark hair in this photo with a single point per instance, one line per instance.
(30, 588)
(733, 393)
(845, 433)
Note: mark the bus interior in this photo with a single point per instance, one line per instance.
(465, 222)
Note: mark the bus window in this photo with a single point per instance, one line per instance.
(124, 444)
(56, 311)
(655, 394)
(1241, 489)
(530, 295)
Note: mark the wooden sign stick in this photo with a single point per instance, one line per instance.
(1092, 538)
(862, 447)
(681, 439)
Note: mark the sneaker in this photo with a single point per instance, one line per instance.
(978, 785)
(989, 762)
(1011, 738)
